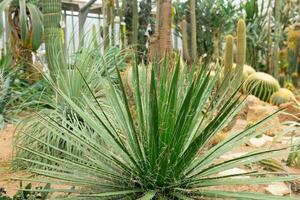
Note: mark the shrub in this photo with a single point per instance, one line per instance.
(161, 153)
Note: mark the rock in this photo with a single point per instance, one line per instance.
(249, 101)
(261, 141)
(278, 189)
(239, 126)
(291, 112)
(234, 171)
(258, 112)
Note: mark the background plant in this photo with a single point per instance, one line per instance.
(88, 64)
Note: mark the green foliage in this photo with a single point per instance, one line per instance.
(258, 32)
(154, 149)
(283, 95)
(261, 85)
(214, 17)
(29, 193)
(17, 94)
(144, 20)
(88, 64)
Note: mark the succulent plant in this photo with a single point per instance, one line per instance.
(283, 95)
(247, 71)
(241, 52)
(228, 55)
(261, 85)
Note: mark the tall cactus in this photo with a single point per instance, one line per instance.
(53, 36)
(241, 52)
(228, 55)
(228, 65)
(277, 7)
(193, 30)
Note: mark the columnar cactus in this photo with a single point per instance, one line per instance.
(261, 85)
(241, 52)
(53, 33)
(283, 95)
(228, 56)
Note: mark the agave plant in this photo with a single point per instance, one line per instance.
(155, 149)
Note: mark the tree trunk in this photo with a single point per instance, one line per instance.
(185, 46)
(165, 30)
(194, 30)
(53, 36)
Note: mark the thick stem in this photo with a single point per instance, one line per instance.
(53, 36)
(277, 7)
(185, 48)
(165, 41)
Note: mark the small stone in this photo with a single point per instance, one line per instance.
(257, 142)
(278, 189)
(259, 112)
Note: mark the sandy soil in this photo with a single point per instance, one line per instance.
(6, 153)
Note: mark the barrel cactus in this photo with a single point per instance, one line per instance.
(261, 85)
(247, 71)
(283, 95)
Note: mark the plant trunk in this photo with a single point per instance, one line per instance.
(193, 30)
(53, 36)
(185, 46)
(106, 25)
(277, 7)
(164, 40)
(158, 6)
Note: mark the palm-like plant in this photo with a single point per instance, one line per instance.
(25, 22)
(154, 149)
(88, 64)
(25, 25)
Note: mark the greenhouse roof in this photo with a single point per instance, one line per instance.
(75, 5)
